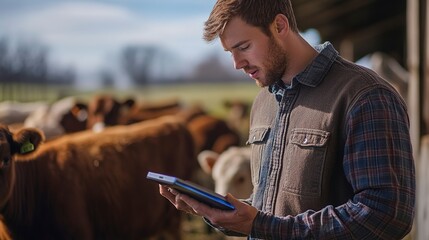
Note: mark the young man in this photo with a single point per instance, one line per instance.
(331, 152)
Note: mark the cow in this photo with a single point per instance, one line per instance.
(90, 185)
(230, 170)
(209, 132)
(105, 110)
(147, 110)
(13, 112)
(237, 117)
(67, 115)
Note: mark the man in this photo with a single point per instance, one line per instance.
(331, 152)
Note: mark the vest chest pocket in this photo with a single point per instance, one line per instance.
(304, 161)
(257, 139)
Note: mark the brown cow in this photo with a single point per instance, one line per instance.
(149, 110)
(212, 133)
(106, 110)
(93, 185)
(238, 117)
(209, 132)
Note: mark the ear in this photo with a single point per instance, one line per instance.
(27, 140)
(207, 160)
(80, 111)
(281, 24)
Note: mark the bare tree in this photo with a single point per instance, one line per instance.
(107, 78)
(137, 62)
(28, 62)
(212, 69)
(4, 66)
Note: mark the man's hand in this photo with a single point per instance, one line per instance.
(239, 220)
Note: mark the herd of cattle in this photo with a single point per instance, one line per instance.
(74, 170)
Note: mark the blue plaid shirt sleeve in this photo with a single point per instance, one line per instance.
(378, 164)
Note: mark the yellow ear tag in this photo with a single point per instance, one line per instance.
(27, 147)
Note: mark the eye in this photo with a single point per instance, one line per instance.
(243, 47)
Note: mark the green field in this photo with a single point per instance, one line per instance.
(211, 96)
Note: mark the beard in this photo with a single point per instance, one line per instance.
(276, 65)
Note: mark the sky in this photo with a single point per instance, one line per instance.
(89, 35)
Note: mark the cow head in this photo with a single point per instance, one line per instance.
(106, 110)
(230, 170)
(75, 119)
(23, 142)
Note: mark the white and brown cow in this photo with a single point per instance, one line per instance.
(90, 185)
(230, 170)
(13, 112)
(67, 115)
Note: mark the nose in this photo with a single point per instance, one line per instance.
(239, 62)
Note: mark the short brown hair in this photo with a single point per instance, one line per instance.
(259, 13)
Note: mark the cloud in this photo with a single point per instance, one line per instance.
(85, 33)
(90, 34)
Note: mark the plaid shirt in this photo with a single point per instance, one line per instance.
(378, 165)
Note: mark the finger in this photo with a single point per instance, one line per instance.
(165, 192)
(174, 197)
(181, 205)
(197, 207)
(173, 191)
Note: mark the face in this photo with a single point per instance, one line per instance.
(258, 55)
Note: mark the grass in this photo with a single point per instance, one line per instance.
(209, 95)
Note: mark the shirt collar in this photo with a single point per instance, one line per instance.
(313, 74)
(278, 89)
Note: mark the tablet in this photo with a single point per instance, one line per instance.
(193, 190)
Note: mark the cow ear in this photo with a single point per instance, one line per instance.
(80, 111)
(207, 159)
(27, 140)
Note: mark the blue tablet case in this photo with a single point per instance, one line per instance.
(193, 190)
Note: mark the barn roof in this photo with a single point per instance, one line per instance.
(357, 27)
